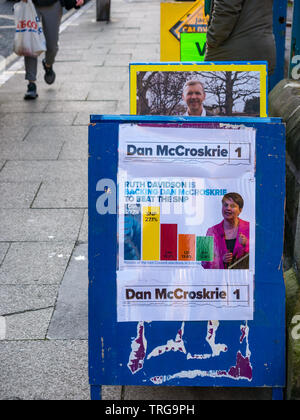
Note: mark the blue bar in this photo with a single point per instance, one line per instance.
(279, 24)
(295, 42)
(132, 234)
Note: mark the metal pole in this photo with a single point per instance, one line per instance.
(295, 42)
(102, 10)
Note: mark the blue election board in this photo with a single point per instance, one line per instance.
(164, 353)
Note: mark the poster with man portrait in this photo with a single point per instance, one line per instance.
(199, 89)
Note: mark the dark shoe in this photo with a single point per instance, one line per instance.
(49, 74)
(31, 92)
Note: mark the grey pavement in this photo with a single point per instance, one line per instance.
(43, 206)
(6, 27)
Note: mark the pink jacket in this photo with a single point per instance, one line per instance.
(220, 248)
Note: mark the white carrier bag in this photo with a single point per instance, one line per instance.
(29, 37)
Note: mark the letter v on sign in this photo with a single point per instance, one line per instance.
(192, 47)
(201, 50)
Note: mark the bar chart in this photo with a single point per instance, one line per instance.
(147, 238)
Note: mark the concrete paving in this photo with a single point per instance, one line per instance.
(43, 206)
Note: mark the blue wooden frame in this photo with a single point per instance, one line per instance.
(279, 29)
(110, 342)
(295, 41)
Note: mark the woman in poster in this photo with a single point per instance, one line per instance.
(231, 236)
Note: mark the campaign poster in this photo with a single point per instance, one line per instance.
(199, 89)
(178, 18)
(186, 223)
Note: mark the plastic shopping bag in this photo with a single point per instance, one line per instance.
(29, 36)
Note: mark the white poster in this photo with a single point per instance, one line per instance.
(186, 223)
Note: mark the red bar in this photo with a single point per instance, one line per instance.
(168, 245)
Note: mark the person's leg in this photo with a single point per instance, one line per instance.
(51, 18)
(30, 73)
(30, 68)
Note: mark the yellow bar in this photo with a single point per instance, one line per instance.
(151, 233)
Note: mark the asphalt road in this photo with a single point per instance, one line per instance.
(6, 27)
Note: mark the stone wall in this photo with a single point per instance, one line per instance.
(284, 102)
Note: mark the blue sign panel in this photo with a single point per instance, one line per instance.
(185, 353)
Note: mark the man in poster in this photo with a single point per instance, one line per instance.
(194, 96)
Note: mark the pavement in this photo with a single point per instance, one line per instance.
(7, 28)
(43, 206)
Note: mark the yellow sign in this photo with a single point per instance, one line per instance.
(231, 89)
(193, 21)
(176, 18)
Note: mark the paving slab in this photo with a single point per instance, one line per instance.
(17, 195)
(32, 325)
(36, 263)
(83, 117)
(16, 90)
(3, 250)
(69, 55)
(70, 318)
(83, 234)
(72, 92)
(68, 35)
(20, 298)
(17, 134)
(67, 194)
(30, 150)
(75, 78)
(65, 44)
(107, 91)
(40, 119)
(117, 60)
(44, 370)
(57, 133)
(40, 225)
(112, 74)
(123, 107)
(142, 57)
(39, 171)
(22, 106)
(85, 107)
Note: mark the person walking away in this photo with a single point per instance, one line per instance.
(241, 30)
(50, 14)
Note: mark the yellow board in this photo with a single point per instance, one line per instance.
(151, 233)
(179, 17)
(135, 69)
